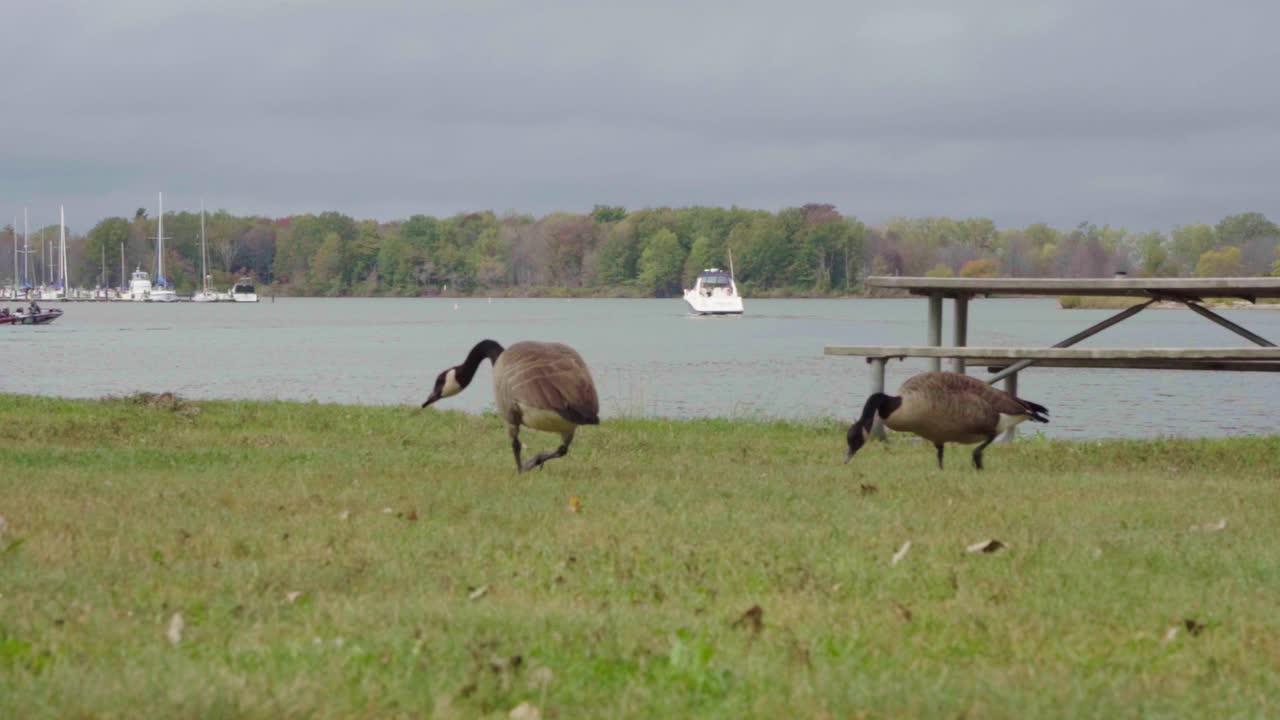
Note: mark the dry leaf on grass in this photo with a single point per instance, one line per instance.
(903, 613)
(575, 504)
(387, 511)
(986, 546)
(865, 489)
(1193, 627)
(176, 625)
(477, 593)
(752, 619)
(344, 514)
(1170, 634)
(292, 596)
(525, 711)
(1211, 527)
(902, 552)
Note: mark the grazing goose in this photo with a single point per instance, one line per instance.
(944, 407)
(544, 386)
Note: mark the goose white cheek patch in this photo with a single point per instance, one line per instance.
(451, 386)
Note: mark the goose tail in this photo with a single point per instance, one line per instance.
(1038, 412)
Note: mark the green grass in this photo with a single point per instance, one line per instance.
(435, 582)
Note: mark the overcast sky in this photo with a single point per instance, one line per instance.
(1143, 114)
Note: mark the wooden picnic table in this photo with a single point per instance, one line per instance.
(1007, 362)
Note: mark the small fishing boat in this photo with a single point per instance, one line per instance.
(19, 317)
(715, 293)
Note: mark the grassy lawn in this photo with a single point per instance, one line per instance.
(275, 560)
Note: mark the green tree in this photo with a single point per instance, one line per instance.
(703, 254)
(1238, 230)
(1187, 243)
(1223, 262)
(1153, 252)
(608, 214)
(941, 270)
(105, 238)
(661, 263)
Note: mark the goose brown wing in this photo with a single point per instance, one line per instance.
(551, 376)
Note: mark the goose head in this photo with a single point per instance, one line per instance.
(856, 438)
(447, 385)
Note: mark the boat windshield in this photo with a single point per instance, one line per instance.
(714, 279)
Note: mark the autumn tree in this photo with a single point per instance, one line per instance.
(1223, 262)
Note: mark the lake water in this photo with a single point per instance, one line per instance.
(648, 356)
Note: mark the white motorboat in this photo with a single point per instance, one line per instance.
(243, 291)
(139, 286)
(715, 293)
(204, 294)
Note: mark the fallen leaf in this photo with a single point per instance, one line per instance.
(525, 711)
(575, 504)
(344, 514)
(176, 625)
(1170, 634)
(292, 596)
(752, 619)
(387, 511)
(986, 546)
(412, 516)
(1193, 627)
(902, 552)
(478, 593)
(865, 489)
(903, 613)
(1211, 527)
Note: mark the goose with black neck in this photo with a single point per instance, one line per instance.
(542, 386)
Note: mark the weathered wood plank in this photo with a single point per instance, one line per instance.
(994, 364)
(1254, 287)
(1041, 353)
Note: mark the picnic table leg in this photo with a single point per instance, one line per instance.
(877, 386)
(1011, 387)
(935, 329)
(960, 331)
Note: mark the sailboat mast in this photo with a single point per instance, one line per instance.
(204, 254)
(15, 255)
(160, 244)
(26, 249)
(122, 285)
(62, 245)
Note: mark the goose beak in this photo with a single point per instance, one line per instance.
(434, 397)
(848, 455)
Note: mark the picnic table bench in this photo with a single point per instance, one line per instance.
(1006, 362)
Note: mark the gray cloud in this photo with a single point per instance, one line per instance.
(1145, 114)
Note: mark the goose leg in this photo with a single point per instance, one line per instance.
(514, 432)
(542, 458)
(939, 446)
(977, 454)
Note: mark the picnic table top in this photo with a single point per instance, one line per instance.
(1248, 287)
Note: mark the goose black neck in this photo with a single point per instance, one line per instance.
(878, 403)
(485, 349)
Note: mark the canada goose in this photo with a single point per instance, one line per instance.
(544, 386)
(944, 407)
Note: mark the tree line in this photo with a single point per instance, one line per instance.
(653, 252)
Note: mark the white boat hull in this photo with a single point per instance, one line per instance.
(203, 297)
(700, 304)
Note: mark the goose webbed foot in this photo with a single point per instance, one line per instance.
(541, 458)
(977, 453)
